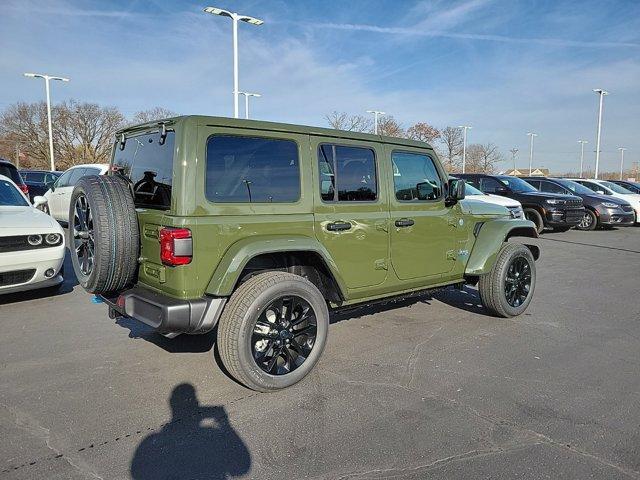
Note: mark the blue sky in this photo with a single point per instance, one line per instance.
(504, 67)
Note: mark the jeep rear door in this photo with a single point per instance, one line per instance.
(423, 228)
(350, 208)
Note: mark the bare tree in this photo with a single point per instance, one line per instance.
(451, 148)
(483, 158)
(423, 132)
(351, 123)
(156, 113)
(26, 124)
(389, 127)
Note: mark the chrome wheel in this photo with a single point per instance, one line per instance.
(82, 228)
(586, 221)
(284, 335)
(517, 283)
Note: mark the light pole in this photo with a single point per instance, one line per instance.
(622, 149)
(464, 145)
(235, 17)
(246, 101)
(514, 151)
(376, 114)
(581, 142)
(47, 79)
(602, 93)
(531, 136)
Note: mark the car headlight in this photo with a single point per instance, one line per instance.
(52, 238)
(610, 205)
(34, 240)
(555, 201)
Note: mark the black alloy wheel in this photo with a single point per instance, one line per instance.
(82, 228)
(517, 283)
(284, 335)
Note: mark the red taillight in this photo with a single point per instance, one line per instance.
(24, 189)
(176, 246)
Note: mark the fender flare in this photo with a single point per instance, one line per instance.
(234, 260)
(489, 238)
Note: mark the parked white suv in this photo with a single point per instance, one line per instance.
(514, 206)
(604, 187)
(59, 195)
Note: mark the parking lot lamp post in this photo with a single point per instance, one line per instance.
(602, 93)
(464, 145)
(622, 149)
(531, 136)
(581, 142)
(246, 101)
(376, 114)
(513, 152)
(47, 79)
(235, 17)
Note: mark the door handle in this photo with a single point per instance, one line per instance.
(404, 222)
(338, 226)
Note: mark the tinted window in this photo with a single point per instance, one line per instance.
(534, 183)
(252, 169)
(347, 174)
(92, 171)
(616, 188)
(36, 177)
(595, 187)
(550, 187)
(415, 177)
(76, 174)
(149, 166)
(64, 180)
(517, 184)
(11, 172)
(490, 185)
(9, 196)
(575, 187)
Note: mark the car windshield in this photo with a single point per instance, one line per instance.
(575, 187)
(616, 188)
(471, 190)
(10, 196)
(517, 184)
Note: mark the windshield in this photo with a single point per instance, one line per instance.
(149, 166)
(10, 196)
(615, 187)
(517, 184)
(575, 187)
(471, 190)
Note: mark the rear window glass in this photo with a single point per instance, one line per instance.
(252, 170)
(11, 172)
(149, 166)
(10, 196)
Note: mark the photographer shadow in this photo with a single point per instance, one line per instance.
(198, 443)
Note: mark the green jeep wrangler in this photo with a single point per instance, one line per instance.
(260, 229)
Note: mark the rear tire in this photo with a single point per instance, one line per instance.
(533, 215)
(589, 221)
(495, 287)
(104, 236)
(248, 325)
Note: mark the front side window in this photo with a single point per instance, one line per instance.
(63, 181)
(347, 174)
(616, 188)
(148, 164)
(490, 185)
(252, 170)
(415, 177)
(10, 196)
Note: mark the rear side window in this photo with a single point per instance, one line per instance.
(252, 170)
(347, 174)
(551, 188)
(149, 166)
(11, 172)
(415, 177)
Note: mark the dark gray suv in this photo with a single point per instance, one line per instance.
(600, 210)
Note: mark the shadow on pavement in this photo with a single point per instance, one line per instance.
(67, 285)
(467, 299)
(198, 443)
(180, 344)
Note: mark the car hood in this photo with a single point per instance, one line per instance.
(549, 195)
(496, 199)
(472, 205)
(26, 220)
(605, 198)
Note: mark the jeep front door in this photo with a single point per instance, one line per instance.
(351, 212)
(423, 228)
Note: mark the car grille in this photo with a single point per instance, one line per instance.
(14, 243)
(574, 203)
(16, 277)
(627, 208)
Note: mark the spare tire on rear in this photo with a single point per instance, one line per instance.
(103, 231)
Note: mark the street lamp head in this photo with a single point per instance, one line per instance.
(32, 75)
(464, 126)
(600, 91)
(582, 141)
(251, 20)
(218, 11)
(235, 16)
(622, 149)
(376, 112)
(250, 94)
(532, 134)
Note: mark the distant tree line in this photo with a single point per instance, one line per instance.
(82, 132)
(447, 141)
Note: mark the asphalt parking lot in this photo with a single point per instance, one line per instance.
(428, 388)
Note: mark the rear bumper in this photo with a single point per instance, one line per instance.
(563, 218)
(168, 315)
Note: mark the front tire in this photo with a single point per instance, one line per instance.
(589, 221)
(507, 289)
(273, 331)
(533, 215)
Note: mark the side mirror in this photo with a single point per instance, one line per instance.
(601, 192)
(39, 201)
(456, 191)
